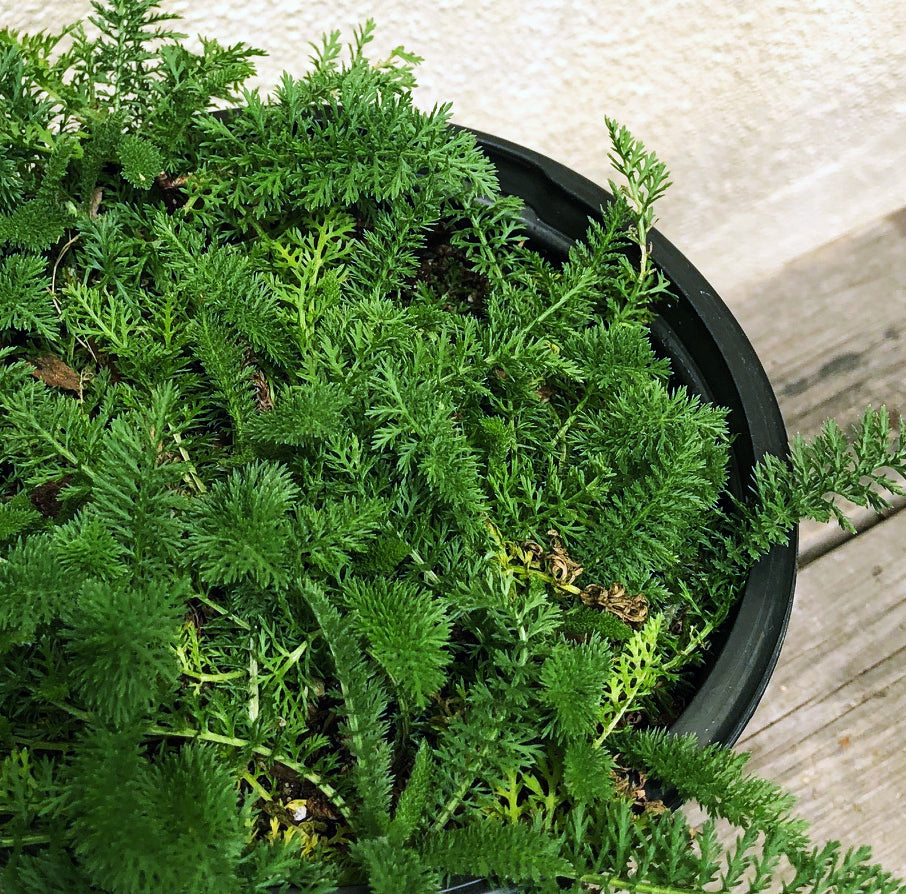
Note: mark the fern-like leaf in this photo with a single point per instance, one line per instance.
(514, 853)
(715, 777)
(392, 868)
(406, 628)
(25, 300)
(120, 642)
(141, 161)
(573, 678)
(240, 529)
(411, 805)
(365, 703)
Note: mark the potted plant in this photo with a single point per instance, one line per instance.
(359, 528)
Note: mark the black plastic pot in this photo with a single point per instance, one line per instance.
(711, 355)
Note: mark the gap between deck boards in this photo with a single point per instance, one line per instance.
(817, 540)
(831, 726)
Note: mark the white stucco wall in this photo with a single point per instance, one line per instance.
(783, 123)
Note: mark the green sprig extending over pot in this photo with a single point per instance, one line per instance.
(345, 538)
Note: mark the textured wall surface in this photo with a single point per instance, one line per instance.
(783, 123)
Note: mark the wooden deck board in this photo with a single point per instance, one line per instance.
(832, 725)
(830, 329)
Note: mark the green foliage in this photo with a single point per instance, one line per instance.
(583, 621)
(120, 645)
(26, 783)
(123, 52)
(39, 222)
(224, 361)
(573, 678)
(238, 531)
(171, 824)
(856, 468)
(25, 301)
(241, 297)
(646, 181)
(391, 869)
(716, 779)
(517, 853)
(326, 536)
(32, 591)
(86, 547)
(365, 702)
(406, 630)
(635, 671)
(132, 486)
(587, 772)
(301, 414)
(312, 473)
(141, 161)
(17, 516)
(411, 805)
(667, 476)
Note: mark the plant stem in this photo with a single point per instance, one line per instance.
(253, 682)
(460, 793)
(191, 477)
(256, 786)
(75, 712)
(520, 336)
(205, 736)
(42, 746)
(25, 839)
(67, 454)
(216, 738)
(568, 295)
(490, 254)
(572, 418)
(291, 660)
(429, 574)
(610, 883)
(221, 611)
(212, 678)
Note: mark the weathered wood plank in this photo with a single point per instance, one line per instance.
(830, 328)
(832, 725)
(815, 539)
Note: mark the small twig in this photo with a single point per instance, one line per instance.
(191, 477)
(53, 277)
(53, 293)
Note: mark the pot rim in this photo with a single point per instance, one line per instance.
(725, 367)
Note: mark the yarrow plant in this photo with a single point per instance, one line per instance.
(347, 539)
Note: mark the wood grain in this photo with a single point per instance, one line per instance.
(830, 329)
(832, 725)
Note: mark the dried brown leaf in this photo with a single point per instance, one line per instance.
(263, 398)
(54, 372)
(562, 568)
(614, 599)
